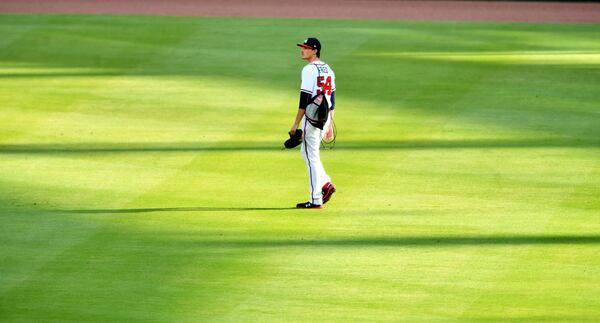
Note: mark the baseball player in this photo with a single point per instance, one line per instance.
(317, 77)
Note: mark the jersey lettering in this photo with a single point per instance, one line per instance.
(322, 69)
(324, 86)
(318, 77)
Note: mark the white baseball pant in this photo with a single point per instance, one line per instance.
(317, 177)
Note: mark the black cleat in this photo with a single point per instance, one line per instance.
(328, 190)
(308, 205)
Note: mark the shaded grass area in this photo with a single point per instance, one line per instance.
(142, 177)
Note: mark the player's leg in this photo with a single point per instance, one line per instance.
(310, 153)
(327, 187)
(323, 177)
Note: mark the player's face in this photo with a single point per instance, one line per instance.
(308, 53)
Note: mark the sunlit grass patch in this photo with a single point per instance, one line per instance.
(509, 57)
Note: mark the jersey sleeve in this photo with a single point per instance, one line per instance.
(304, 100)
(332, 81)
(332, 100)
(308, 79)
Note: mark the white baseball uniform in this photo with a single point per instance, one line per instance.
(317, 77)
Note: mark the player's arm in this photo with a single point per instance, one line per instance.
(332, 101)
(304, 101)
(332, 108)
(308, 77)
(329, 130)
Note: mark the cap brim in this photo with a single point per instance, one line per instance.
(304, 46)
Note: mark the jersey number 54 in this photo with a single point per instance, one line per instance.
(324, 85)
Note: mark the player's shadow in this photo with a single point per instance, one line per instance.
(171, 209)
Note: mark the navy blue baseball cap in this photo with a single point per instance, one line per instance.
(311, 43)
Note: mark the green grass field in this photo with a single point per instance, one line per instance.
(141, 175)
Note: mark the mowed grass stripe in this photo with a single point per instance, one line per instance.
(456, 180)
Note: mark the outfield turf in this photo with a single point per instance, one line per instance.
(141, 176)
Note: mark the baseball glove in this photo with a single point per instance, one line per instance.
(295, 139)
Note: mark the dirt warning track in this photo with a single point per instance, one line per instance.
(514, 11)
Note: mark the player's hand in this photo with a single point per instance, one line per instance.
(328, 133)
(293, 130)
